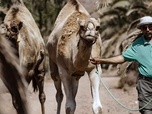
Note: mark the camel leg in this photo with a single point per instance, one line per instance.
(59, 94)
(40, 82)
(95, 85)
(70, 101)
(70, 86)
(75, 83)
(42, 96)
(57, 84)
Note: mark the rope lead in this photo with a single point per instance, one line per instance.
(119, 101)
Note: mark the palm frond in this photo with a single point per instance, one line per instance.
(122, 3)
(103, 3)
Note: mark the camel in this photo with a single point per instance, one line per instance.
(73, 41)
(27, 39)
(12, 74)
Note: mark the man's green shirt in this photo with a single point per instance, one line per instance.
(141, 52)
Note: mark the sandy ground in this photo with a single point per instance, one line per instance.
(83, 99)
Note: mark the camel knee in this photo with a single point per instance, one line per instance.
(42, 97)
(40, 80)
(59, 97)
(54, 76)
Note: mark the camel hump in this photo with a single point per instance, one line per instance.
(17, 1)
(14, 11)
(70, 7)
(74, 2)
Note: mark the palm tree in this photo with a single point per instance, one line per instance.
(118, 20)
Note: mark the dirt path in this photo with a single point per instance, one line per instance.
(83, 98)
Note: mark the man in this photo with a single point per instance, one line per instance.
(139, 51)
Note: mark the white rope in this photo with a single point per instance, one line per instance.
(130, 109)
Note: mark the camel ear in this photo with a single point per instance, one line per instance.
(80, 22)
(3, 28)
(98, 20)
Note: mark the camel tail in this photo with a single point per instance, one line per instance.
(34, 82)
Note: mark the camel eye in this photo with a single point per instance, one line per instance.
(82, 28)
(97, 28)
(14, 29)
(3, 27)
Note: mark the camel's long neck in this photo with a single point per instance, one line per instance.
(82, 55)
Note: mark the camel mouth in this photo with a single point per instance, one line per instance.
(90, 39)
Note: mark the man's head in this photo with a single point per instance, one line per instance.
(145, 25)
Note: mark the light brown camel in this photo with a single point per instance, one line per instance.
(12, 74)
(27, 39)
(74, 39)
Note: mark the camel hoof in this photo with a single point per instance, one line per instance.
(69, 111)
(99, 110)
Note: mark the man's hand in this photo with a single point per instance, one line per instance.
(95, 61)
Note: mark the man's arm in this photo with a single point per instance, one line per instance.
(113, 60)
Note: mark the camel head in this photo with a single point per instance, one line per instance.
(89, 30)
(13, 29)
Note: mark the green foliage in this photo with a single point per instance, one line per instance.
(43, 11)
(116, 19)
(120, 14)
(118, 30)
